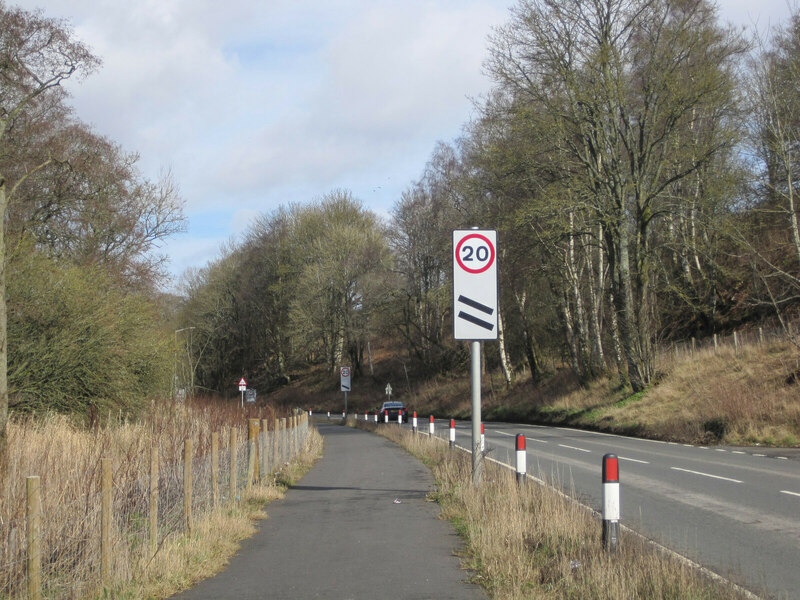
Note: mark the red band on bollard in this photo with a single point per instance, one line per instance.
(431, 418)
(521, 442)
(452, 423)
(610, 468)
(482, 431)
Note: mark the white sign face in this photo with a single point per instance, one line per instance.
(242, 385)
(475, 284)
(344, 376)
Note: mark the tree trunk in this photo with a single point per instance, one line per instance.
(3, 335)
(505, 363)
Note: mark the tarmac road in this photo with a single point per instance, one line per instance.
(358, 525)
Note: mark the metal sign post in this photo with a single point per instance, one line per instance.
(344, 379)
(475, 309)
(243, 389)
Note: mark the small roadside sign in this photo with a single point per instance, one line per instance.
(250, 395)
(475, 284)
(344, 378)
(242, 385)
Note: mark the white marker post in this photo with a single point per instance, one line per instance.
(611, 505)
(414, 423)
(452, 433)
(522, 459)
(475, 309)
(431, 427)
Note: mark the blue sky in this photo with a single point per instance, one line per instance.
(254, 104)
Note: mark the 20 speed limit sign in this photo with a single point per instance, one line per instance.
(474, 284)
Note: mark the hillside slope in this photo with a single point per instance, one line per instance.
(745, 397)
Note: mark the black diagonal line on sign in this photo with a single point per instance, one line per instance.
(477, 305)
(476, 320)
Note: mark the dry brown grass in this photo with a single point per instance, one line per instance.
(531, 542)
(67, 458)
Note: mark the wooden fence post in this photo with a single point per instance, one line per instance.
(736, 342)
(252, 458)
(215, 468)
(276, 448)
(761, 336)
(105, 522)
(694, 346)
(716, 344)
(187, 485)
(34, 538)
(263, 448)
(153, 500)
(233, 464)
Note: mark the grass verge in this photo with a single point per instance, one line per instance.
(185, 560)
(531, 542)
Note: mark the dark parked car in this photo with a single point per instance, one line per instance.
(392, 409)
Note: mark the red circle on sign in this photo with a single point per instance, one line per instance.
(489, 262)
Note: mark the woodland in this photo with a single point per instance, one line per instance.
(637, 158)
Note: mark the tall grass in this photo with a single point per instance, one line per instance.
(67, 459)
(531, 542)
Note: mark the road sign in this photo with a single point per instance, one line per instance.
(344, 376)
(250, 395)
(242, 385)
(389, 389)
(475, 284)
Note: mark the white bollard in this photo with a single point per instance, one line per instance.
(452, 433)
(611, 504)
(376, 417)
(414, 422)
(399, 418)
(483, 439)
(431, 427)
(522, 459)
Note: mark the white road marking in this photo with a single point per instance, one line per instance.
(720, 450)
(526, 438)
(759, 454)
(782, 457)
(574, 448)
(790, 493)
(739, 452)
(644, 462)
(706, 474)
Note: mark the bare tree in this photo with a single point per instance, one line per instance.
(36, 55)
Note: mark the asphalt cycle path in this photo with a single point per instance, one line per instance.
(358, 525)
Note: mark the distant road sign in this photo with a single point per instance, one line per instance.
(475, 284)
(344, 377)
(242, 385)
(250, 395)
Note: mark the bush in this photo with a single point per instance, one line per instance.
(77, 343)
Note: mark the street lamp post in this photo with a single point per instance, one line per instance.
(191, 366)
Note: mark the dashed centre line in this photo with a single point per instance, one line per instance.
(790, 493)
(636, 460)
(574, 448)
(706, 474)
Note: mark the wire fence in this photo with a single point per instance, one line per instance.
(736, 340)
(72, 549)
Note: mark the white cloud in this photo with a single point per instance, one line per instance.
(253, 104)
